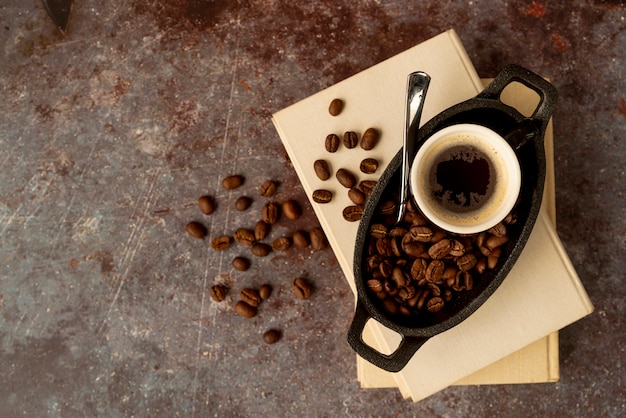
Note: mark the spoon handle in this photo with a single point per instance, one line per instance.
(417, 86)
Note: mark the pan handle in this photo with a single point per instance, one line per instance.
(393, 362)
(547, 92)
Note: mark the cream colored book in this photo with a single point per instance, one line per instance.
(520, 312)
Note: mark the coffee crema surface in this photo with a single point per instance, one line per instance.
(463, 179)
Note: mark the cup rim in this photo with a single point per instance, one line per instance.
(513, 166)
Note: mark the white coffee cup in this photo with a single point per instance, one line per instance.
(465, 178)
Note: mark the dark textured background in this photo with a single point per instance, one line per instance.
(110, 133)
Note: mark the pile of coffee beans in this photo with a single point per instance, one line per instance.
(253, 238)
(413, 268)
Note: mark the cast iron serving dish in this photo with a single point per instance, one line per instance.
(526, 135)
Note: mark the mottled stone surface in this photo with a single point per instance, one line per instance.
(109, 134)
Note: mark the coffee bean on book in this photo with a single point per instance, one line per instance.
(350, 139)
(322, 170)
(322, 196)
(345, 178)
(332, 143)
(370, 138)
(335, 107)
(369, 165)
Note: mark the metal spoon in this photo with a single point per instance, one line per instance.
(417, 86)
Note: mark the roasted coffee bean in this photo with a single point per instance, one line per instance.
(268, 188)
(318, 238)
(218, 292)
(265, 291)
(291, 209)
(241, 263)
(261, 230)
(332, 143)
(302, 288)
(398, 231)
(243, 203)
(434, 304)
(322, 196)
(261, 249)
(375, 285)
(412, 248)
(245, 310)
(196, 229)
(367, 186)
(498, 230)
(270, 213)
(510, 219)
(369, 165)
(221, 243)
(300, 239)
(232, 182)
(415, 219)
(345, 178)
(387, 208)
(385, 268)
(353, 213)
(421, 233)
(244, 236)
(322, 169)
(378, 230)
(495, 241)
(271, 336)
(466, 262)
(440, 249)
(206, 205)
(250, 296)
(350, 139)
(481, 265)
(356, 196)
(335, 107)
(418, 269)
(370, 138)
(457, 248)
(434, 271)
(281, 244)
(397, 275)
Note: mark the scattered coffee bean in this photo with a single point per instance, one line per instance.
(196, 229)
(353, 213)
(245, 310)
(345, 178)
(232, 182)
(241, 263)
(243, 203)
(265, 291)
(206, 204)
(318, 238)
(250, 296)
(322, 196)
(335, 107)
(370, 138)
(356, 196)
(301, 239)
(291, 209)
(302, 288)
(221, 243)
(281, 244)
(261, 230)
(271, 336)
(270, 213)
(267, 189)
(350, 139)
(322, 170)
(332, 143)
(261, 249)
(244, 236)
(218, 292)
(369, 165)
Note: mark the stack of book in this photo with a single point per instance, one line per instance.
(513, 337)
